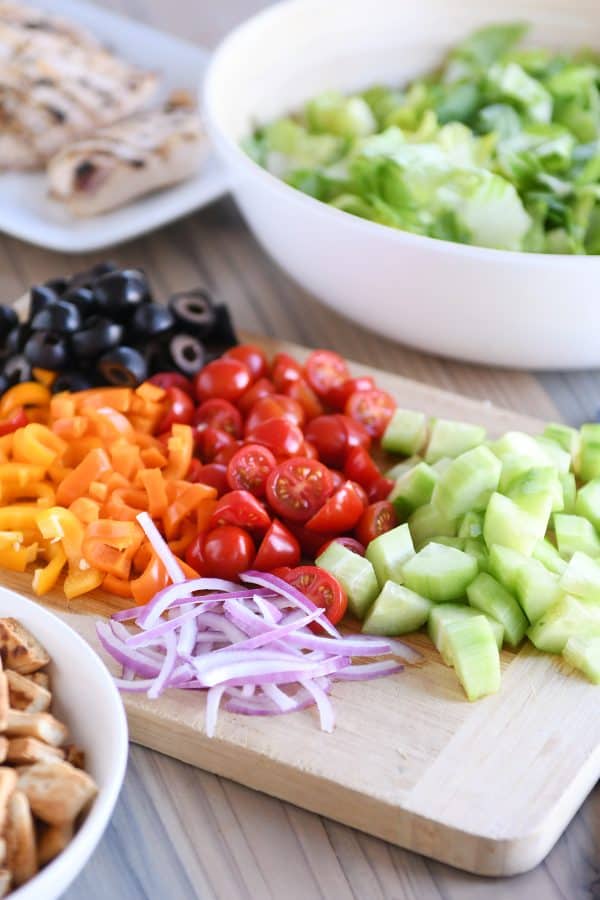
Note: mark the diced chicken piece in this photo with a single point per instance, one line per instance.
(53, 841)
(41, 678)
(38, 725)
(75, 755)
(21, 854)
(5, 882)
(26, 695)
(8, 782)
(24, 751)
(19, 650)
(57, 792)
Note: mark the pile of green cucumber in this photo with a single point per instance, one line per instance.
(500, 542)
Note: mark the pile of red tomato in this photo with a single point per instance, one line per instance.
(287, 447)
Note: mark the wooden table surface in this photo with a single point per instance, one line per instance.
(181, 833)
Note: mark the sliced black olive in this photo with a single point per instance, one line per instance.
(47, 350)
(83, 298)
(88, 277)
(187, 353)
(151, 319)
(123, 366)
(40, 296)
(98, 336)
(157, 356)
(4, 384)
(72, 381)
(120, 293)
(223, 334)
(194, 310)
(60, 316)
(58, 285)
(17, 368)
(8, 321)
(16, 339)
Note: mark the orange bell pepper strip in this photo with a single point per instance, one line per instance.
(38, 445)
(45, 578)
(184, 505)
(126, 458)
(114, 481)
(142, 557)
(28, 393)
(124, 504)
(111, 545)
(81, 581)
(45, 376)
(188, 532)
(41, 490)
(154, 578)
(62, 406)
(204, 514)
(149, 393)
(117, 586)
(154, 484)
(20, 473)
(60, 524)
(77, 451)
(180, 446)
(109, 424)
(98, 491)
(6, 442)
(57, 472)
(116, 398)
(153, 458)
(70, 428)
(86, 510)
(77, 482)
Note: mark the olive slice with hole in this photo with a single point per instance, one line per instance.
(40, 296)
(8, 321)
(16, 339)
(60, 316)
(194, 311)
(151, 319)
(97, 336)
(72, 381)
(123, 366)
(4, 384)
(223, 333)
(47, 350)
(188, 353)
(83, 298)
(16, 369)
(88, 277)
(58, 285)
(120, 293)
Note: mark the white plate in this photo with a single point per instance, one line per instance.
(26, 212)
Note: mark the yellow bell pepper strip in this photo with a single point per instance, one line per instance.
(180, 446)
(6, 442)
(28, 393)
(70, 428)
(86, 509)
(60, 524)
(10, 539)
(154, 484)
(184, 505)
(81, 581)
(17, 559)
(16, 419)
(19, 517)
(77, 483)
(45, 578)
(37, 444)
(20, 473)
(45, 376)
(40, 490)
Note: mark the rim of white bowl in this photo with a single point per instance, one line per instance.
(75, 856)
(228, 146)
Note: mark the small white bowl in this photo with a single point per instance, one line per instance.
(87, 701)
(489, 306)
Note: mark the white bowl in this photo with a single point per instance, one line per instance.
(87, 701)
(488, 306)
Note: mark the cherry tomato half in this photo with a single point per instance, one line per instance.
(373, 409)
(224, 378)
(334, 436)
(275, 406)
(285, 370)
(281, 571)
(279, 435)
(249, 468)
(338, 396)
(227, 452)
(325, 370)
(380, 489)
(221, 414)
(166, 380)
(322, 588)
(213, 474)
(240, 508)
(339, 513)
(376, 519)
(253, 358)
(360, 467)
(302, 392)
(298, 487)
(278, 548)
(211, 441)
(349, 542)
(179, 408)
(227, 551)
(310, 541)
(194, 555)
(261, 388)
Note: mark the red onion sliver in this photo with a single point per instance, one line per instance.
(213, 699)
(323, 702)
(161, 548)
(281, 587)
(366, 671)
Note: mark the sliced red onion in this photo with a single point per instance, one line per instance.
(366, 671)
(296, 598)
(161, 548)
(167, 667)
(323, 704)
(213, 699)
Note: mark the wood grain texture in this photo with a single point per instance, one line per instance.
(182, 833)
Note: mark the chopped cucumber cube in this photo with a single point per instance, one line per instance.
(582, 578)
(569, 489)
(475, 656)
(531, 490)
(446, 613)
(458, 543)
(428, 522)
(397, 610)
(518, 445)
(471, 525)
(559, 458)
(467, 483)
(405, 433)
(476, 548)
(489, 596)
(566, 437)
(587, 503)
(589, 459)
(573, 534)
(568, 617)
(402, 467)
(442, 465)
(413, 489)
(452, 438)
(537, 588)
(440, 573)
(547, 554)
(583, 653)
(504, 566)
(507, 524)
(388, 553)
(355, 574)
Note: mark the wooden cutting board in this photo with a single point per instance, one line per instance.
(487, 787)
